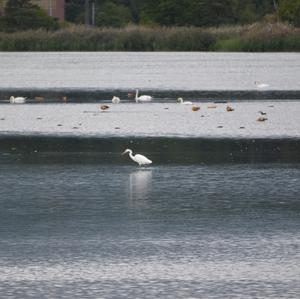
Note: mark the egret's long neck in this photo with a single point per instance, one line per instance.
(131, 155)
(136, 94)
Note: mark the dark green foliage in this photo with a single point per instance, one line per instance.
(200, 13)
(23, 15)
(289, 10)
(112, 15)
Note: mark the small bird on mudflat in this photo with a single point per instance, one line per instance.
(229, 108)
(261, 118)
(262, 113)
(195, 108)
(104, 107)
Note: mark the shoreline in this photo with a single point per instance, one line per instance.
(163, 150)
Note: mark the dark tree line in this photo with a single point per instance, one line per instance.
(23, 15)
(203, 13)
(118, 13)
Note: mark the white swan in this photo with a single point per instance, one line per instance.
(261, 85)
(140, 159)
(116, 100)
(17, 100)
(142, 98)
(181, 101)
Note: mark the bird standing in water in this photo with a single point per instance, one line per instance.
(140, 159)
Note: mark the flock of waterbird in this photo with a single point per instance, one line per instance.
(138, 158)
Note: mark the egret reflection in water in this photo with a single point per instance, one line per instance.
(140, 184)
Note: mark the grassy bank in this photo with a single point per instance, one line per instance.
(257, 37)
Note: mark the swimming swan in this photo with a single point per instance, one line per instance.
(181, 101)
(142, 98)
(17, 100)
(261, 85)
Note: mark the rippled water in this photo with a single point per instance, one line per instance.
(151, 71)
(70, 230)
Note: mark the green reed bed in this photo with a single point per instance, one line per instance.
(255, 37)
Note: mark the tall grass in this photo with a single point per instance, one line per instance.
(256, 37)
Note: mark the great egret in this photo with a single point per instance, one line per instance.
(181, 101)
(116, 100)
(142, 98)
(261, 85)
(17, 100)
(140, 159)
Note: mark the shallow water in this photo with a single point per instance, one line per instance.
(151, 71)
(70, 230)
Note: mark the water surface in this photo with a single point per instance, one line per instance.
(152, 71)
(98, 230)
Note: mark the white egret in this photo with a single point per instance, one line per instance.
(181, 101)
(17, 100)
(261, 85)
(143, 98)
(116, 100)
(140, 159)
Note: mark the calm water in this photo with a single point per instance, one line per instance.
(70, 230)
(151, 71)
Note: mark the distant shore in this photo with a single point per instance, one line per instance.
(258, 37)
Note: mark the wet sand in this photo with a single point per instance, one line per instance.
(154, 120)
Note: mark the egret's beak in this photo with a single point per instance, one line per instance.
(124, 153)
